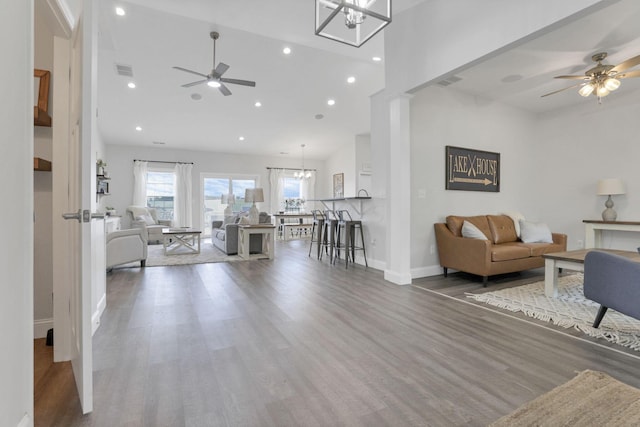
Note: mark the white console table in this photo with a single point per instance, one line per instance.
(593, 230)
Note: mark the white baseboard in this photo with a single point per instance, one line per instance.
(40, 327)
(95, 319)
(428, 271)
(397, 278)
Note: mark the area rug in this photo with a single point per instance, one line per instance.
(569, 310)
(208, 253)
(590, 399)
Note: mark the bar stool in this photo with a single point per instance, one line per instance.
(329, 233)
(317, 230)
(349, 225)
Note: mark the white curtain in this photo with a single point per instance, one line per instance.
(139, 183)
(308, 191)
(276, 189)
(182, 204)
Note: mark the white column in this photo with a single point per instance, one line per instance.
(398, 269)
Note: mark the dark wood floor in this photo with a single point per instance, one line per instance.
(296, 341)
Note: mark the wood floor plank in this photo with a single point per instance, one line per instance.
(297, 341)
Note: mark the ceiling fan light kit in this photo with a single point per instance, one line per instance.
(602, 79)
(215, 79)
(352, 22)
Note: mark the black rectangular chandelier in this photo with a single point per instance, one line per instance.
(351, 21)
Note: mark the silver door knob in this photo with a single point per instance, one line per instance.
(74, 215)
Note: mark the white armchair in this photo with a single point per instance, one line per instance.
(125, 246)
(147, 219)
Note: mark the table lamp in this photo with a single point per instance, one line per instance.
(253, 195)
(610, 187)
(229, 200)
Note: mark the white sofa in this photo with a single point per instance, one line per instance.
(147, 219)
(125, 246)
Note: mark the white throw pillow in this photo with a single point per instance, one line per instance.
(516, 217)
(146, 218)
(471, 231)
(244, 220)
(531, 232)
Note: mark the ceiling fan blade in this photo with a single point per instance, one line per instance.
(554, 92)
(225, 90)
(635, 73)
(239, 82)
(190, 71)
(195, 83)
(631, 62)
(220, 70)
(572, 77)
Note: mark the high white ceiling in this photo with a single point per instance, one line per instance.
(156, 35)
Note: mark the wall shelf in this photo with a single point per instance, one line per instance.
(41, 164)
(41, 117)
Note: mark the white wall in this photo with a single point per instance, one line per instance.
(576, 148)
(441, 117)
(120, 166)
(42, 238)
(341, 161)
(16, 173)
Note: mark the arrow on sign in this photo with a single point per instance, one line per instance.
(473, 181)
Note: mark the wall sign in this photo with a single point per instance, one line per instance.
(472, 170)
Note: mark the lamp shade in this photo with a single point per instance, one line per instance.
(610, 186)
(253, 195)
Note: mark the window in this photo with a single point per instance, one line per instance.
(161, 192)
(213, 187)
(291, 188)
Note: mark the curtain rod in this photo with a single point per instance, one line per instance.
(291, 169)
(162, 161)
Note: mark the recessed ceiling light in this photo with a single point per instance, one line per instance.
(286, 50)
(196, 96)
(351, 79)
(376, 59)
(241, 138)
(331, 102)
(258, 104)
(120, 11)
(131, 85)
(138, 128)
(213, 83)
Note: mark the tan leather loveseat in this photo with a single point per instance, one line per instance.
(502, 252)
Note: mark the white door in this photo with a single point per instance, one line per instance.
(77, 172)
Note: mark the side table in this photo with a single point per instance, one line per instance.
(268, 240)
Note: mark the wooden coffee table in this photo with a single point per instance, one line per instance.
(181, 241)
(571, 260)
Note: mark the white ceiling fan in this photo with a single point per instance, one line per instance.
(215, 79)
(603, 78)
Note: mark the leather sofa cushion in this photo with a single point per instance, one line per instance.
(502, 229)
(509, 251)
(539, 249)
(454, 223)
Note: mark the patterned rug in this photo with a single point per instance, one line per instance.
(208, 253)
(569, 310)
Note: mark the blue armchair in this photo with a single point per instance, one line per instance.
(613, 281)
